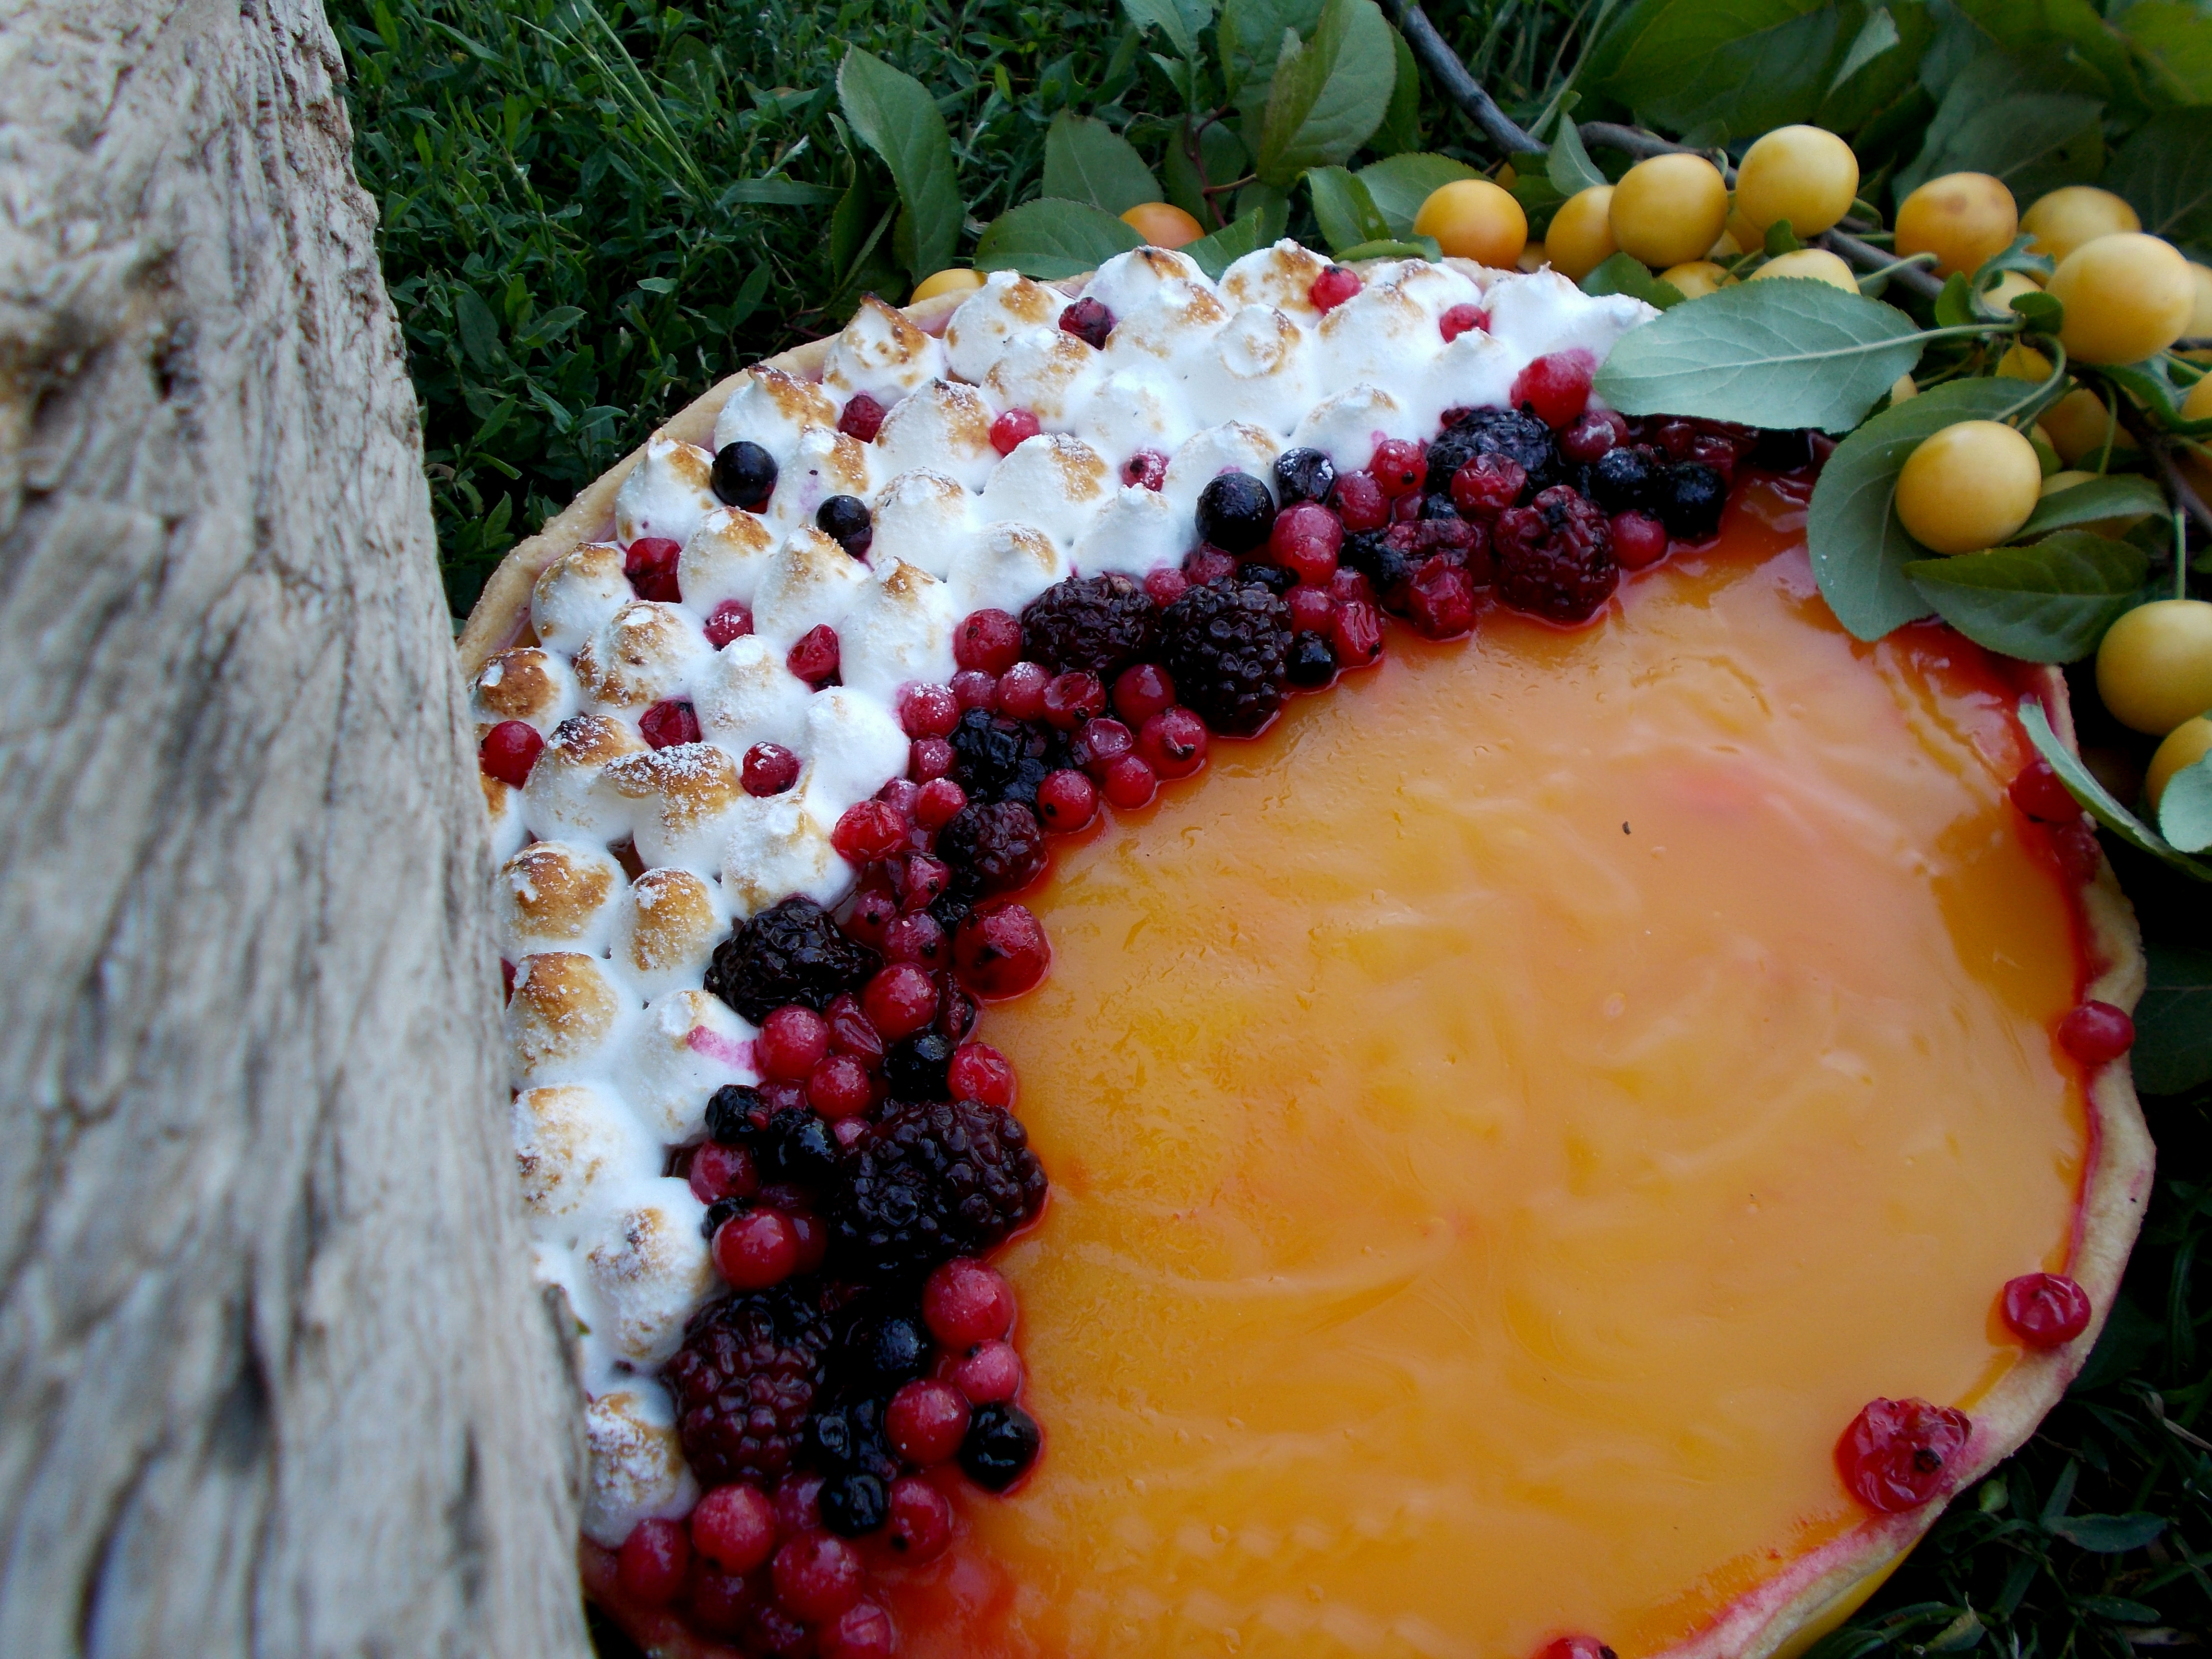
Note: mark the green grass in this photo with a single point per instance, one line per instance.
(571, 263)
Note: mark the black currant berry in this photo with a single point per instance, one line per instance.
(1312, 661)
(1304, 474)
(845, 519)
(1236, 513)
(855, 1505)
(743, 475)
(1001, 1443)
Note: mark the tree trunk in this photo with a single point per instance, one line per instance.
(274, 1379)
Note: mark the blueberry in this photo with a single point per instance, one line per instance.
(893, 1349)
(914, 1069)
(1312, 661)
(735, 1114)
(1621, 480)
(1689, 499)
(1304, 474)
(855, 1505)
(1235, 513)
(1001, 1443)
(743, 475)
(845, 519)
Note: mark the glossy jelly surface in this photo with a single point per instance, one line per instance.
(1506, 1120)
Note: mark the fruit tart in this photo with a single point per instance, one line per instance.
(1206, 966)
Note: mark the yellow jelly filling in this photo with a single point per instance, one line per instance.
(1506, 1120)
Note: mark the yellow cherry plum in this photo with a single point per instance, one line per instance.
(1968, 487)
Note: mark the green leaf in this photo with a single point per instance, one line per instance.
(1224, 158)
(1251, 39)
(2164, 171)
(1859, 550)
(1345, 212)
(2029, 125)
(2177, 41)
(1416, 247)
(1180, 21)
(896, 118)
(2072, 29)
(1399, 185)
(2185, 808)
(1329, 94)
(775, 193)
(550, 325)
(1086, 161)
(1624, 273)
(1401, 130)
(2095, 798)
(1734, 67)
(1788, 351)
(1877, 35)
(2048, 603)
(478, 328)
(1050, 238)
(1567, 164)
(1781, 240)
(1217, 252)
(2173, 1021)
(2110, 1534)
(2092, 502)
(1955, 306)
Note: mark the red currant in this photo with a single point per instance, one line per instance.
(840, 1087)
(654, 1560)
(1360, 502)
(1001, 953)
(815, 658)
(1556, 387)
(990, 641)
(650, 563)
(1305, 540)
(2037, 790)
(990, 1372)
(964, 1302)
(1165, 586)
(1460, 319)
(1129, 783)
(1487, 485)
(1142, 691)
(729, 621)
(797, 1500)
(922, 1519)
(919, 938)
(869, 831)
(850, 1032)
(756, 1250)
(719, 1171)
(509, 751)
(2045, 1310)
(873, 910)
(1594, 433)
(667, 723)
(924, 1422)
(1399, 466)
(863, 1631)
(1071, 698)
(1312, 610)
(1893, 1455)
(1100, 744)
(1440, 599)
(1066, 800)
(1173, 742)
(2074, 846)
(734, 1527)
(973, 689)
(900, 1001)
(979, 1072)
(939, 802)
(1145, 469)
(770, 769)
(928, 759)
(928, 711)
(791, 1042)
(1021, 690)
(1334, 287)
(1357, 635)
(862, 417)
(1638, 540)
(1575, 1647)
(1012, 429)
(1204, 566)
(2096, 1032)
(817, 1576)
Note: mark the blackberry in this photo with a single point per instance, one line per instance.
(1001, 1442)
(1235, 511)
(791, 952)
(1304, 474)
(1371, 553)
(1689, 499)
(853, 1505)
(743, 475)
(745, 1382)
(914, 1069)
(928, 1181)
(1555, 558)
(995, 758)
(1278, 579)
(1622, 479)
(997, 844)
(1097, 624)
(1225, 649)
(1312, 661)
(1519, 437)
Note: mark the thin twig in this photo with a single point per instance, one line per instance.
(2154, 445)
(1635, 140)
(1440, 61)
(1867, 257)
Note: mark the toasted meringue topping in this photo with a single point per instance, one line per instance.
(945, 428)
(565, 798)
(1006, 305)
(667, 493)
(777, 847)
(503, 806)
(687, 1045)
(563, 1018)
(1140, 408)
(747, 696)
(576, 594)
(1052, 482)
(881, 353)
(901, 633)
(1233, 446)
(853, 742)
(528, 684)
(1281, 277)
(826, 462)
(638, 1472)
(555, 896)
(810, 581)
(1005, 567)
(666, 927)
(651, 1271)
(1047, 371)
(924, 518)
(645, 652)
(1137, 532)
(772, 409)
(724, 559)
(575, 1144)
(682, 792)
(1172, 324)
(1127, 280)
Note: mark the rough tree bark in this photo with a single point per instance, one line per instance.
(273, 1378)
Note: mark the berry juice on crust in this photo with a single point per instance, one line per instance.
(1361, 1027)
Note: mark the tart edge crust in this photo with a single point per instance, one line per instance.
(1816, 1592)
